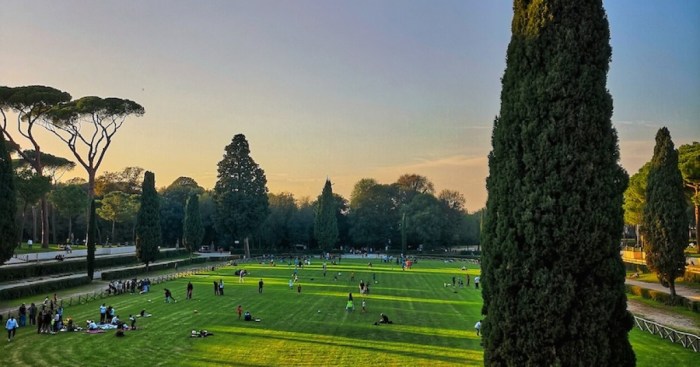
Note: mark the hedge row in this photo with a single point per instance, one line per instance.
(688, 276)
(34, 270)
(46, 287)
(662, 297)
(172, 253)
(136, 270)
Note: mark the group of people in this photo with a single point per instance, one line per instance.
(130, 285)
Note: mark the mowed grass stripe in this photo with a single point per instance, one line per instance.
(433, 324)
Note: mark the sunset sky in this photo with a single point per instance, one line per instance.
(338, 89)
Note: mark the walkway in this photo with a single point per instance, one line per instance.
(681, 290)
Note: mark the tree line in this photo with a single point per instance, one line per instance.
(239, 212)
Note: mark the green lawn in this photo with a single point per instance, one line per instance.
(433, 325)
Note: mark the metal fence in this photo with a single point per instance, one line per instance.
(687, 340)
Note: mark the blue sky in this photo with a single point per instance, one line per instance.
(344, 89)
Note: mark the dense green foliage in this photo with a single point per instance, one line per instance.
(665, 222)
(148, 234)
(553, 280)
(193, 231)
(326, 222)
(635, 199)
(240, 194)
(689, 164)
(8, 204)
(70, 200)
(118, 207)
(172, 208)
(91, 240)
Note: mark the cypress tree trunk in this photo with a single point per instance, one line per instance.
(553, 279)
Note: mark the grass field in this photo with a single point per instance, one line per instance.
(433, 324)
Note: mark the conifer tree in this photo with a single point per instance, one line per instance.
(665, 221)
(91, 240)
(326, 222)
(193, 230)
(240, 194)
(8, 204)
(552, 276)
(148, 236)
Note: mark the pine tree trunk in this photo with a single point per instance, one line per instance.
(246, 247)
(44, 222)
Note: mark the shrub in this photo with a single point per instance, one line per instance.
(141, 269)
(34, 270)
(45, 287)
(662, 297)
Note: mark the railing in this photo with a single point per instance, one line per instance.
(687, 340)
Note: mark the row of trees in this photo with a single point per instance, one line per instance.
(404, 215)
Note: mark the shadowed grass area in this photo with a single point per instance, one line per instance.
(433, 324)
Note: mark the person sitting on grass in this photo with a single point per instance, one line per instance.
(350, 306)
(247, 316)
(91, 325)
(383, 319)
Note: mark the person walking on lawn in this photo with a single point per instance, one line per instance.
(11, 326)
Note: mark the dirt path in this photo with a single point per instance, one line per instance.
(672, 320)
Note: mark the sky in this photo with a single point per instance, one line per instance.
(327, 88)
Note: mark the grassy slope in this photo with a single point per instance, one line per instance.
(433, 324)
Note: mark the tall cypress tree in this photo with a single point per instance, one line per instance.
(665, 220)
(193, 230)
(240, 194)
(326, 222)
(553, 280)
(148, 236)
(8, 204)
(91, 240)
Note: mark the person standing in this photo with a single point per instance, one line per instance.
(477, 326)
(190, 288)
(216, 288)
(103, 313)
(32, 314)
(239, 309)
(364, 306)
(291, 284)
(11, 326)
(221, 287)
(22, 315)
(30, 243)
(476, 282)
(260, 286)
